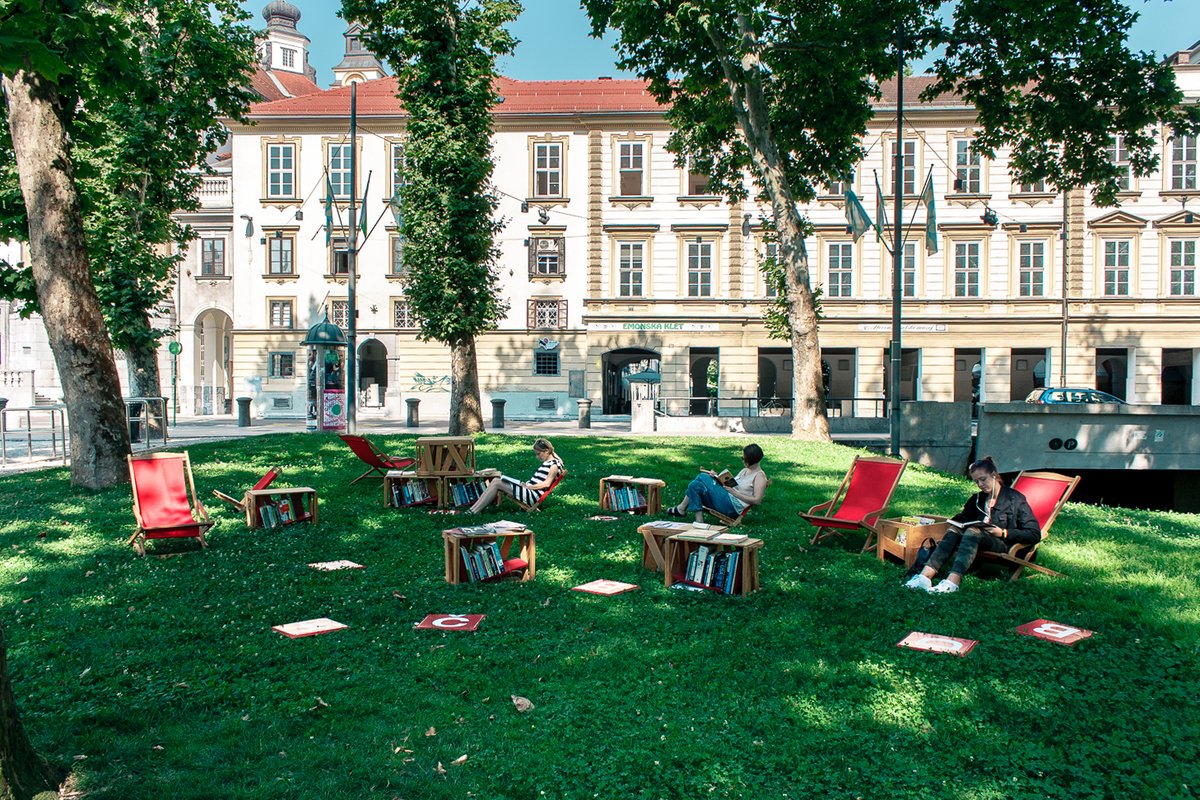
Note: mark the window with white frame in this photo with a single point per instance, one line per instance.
(909, 269)
(967, 168)
(283, 365)
(546, 257)
(699, 268)
(697, 185)
(1118, 154)
(1116, 267)
(840, 269)
(1183, 267)
(1031, 265)
(397, 265)
(212, 256)
(908, 157)
(281, 170)
(546, 313)
(1183, 162)
(630, 266)
(397, 152)
(839, 188)
(339, 256)
(1037, 187)
(403, 316)
(281, 248)
(547, 169)
(966, 269)
(339, 170)
(631, 157)
(770, 256)
(288, 56)
(281, 313)
(339, 313)
(545, 362)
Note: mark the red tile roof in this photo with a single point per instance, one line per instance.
(262, 84)
(294, 85)
(378, 98)
(297, 85)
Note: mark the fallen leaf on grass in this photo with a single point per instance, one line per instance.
(89, 573)
(86, 670)
(158, 747)
(522, 703)
(546, 602)
(22, 580)
(459, 761)
(398, 596)
(320, 704)
(431, 732)
(440, 769)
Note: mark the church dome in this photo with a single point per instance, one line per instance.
(281, 12)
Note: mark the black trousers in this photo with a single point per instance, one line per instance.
(964, 547)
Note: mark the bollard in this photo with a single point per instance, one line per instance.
(498, 413)
(244, 411)
(414, 416)
(585, 412)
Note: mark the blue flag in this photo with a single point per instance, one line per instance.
(856, 215)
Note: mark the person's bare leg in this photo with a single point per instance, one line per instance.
(494, 487)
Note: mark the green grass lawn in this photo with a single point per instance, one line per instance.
(160, 677)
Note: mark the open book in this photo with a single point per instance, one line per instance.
(962, 526)
(724, 477)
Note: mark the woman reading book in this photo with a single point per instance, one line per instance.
(994, 519)
(529, 491)
(723, 492)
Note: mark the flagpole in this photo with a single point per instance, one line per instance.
(898, 248)
(351, 269)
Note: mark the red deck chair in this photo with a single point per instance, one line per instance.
(860, 500)
(1047, 493)
(164, 499)
(372, 456)
(263, 482)
(562, 473)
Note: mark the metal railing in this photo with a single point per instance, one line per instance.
(857, 407)
(147, 419)
(39, 442)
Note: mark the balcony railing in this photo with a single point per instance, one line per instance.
(216, 191)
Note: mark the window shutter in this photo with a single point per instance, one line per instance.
(562, 255)
(562, 313)
(532, 248)
(530, 314)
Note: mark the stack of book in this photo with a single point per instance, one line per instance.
(625, 498)
(483, 560)
(465, 493)
(282, 510)
(713, 569)
(411, 493)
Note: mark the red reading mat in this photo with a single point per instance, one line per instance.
(450, 622)
(935, 643)
(606, 588)
(332, 565)
(309, 627)
(1054, 631)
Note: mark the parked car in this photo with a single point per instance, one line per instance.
(1071, 394)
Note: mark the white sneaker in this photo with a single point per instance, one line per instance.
(919, 581)
(943, 587)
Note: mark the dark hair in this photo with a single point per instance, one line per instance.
(543, 445)
(752, 454)
(988, 465)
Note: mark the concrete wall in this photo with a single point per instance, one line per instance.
(936, 435)
(1076, 437)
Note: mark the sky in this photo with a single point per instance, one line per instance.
(555, 44)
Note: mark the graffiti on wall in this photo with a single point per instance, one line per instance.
(430, 383)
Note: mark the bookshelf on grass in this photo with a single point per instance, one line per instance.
(406, 488)
(631, 495)
(726, 563)
(902, 537)
(274, 508)
(445, 455)
(484, 552)
(460, 492)
(655, 535)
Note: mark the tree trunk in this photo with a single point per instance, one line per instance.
(146, 381)
(62, 278)
(23, 773)
(466, 417)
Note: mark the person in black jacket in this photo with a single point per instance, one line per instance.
(1003, 518)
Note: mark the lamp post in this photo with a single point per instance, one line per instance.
(897, 250)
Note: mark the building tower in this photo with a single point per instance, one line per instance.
(358, 64)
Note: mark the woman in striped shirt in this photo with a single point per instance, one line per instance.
(529, 492)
